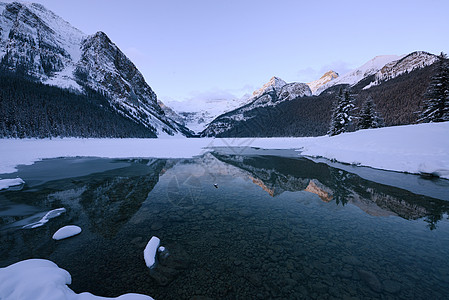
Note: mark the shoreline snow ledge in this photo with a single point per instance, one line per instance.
(40, 279)
(149, 254)
(416, 149)
(7, 183)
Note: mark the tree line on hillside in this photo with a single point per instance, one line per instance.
(434, 107)
(32, 109)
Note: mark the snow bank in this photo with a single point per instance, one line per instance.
(149, 253)
(6, 183)
(49, 215)
(422, 148)
(417, 149)
(39, 279)
(66, 232)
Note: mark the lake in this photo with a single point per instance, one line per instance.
(235, 225)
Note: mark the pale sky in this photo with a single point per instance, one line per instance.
(209, 48)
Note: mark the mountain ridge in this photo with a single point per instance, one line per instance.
(38, 43)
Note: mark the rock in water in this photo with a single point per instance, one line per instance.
(371, 280)
(149, 253)
(66, 232)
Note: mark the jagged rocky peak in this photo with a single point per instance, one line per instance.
(274, 84)
(415, 60)
(36, 42)
(294, 90)
(327, 77)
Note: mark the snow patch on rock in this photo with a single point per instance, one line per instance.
(66, 232)
(150, 251)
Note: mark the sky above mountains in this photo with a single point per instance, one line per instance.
(206, 49)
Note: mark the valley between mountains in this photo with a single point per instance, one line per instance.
(59, 81)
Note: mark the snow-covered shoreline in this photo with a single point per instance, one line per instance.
(416, 149)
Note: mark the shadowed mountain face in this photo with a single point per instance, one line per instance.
(37, 44)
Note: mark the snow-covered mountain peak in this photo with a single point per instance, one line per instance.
(407, 63)
(369, 68)
(328, 76)
(274, 84)
(37, 42)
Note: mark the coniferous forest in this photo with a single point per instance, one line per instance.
(31, 109)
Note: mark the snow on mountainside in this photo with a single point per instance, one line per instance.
(272, 93)
(38, 43)
(274, 84)
(369, 68)
(414, 60)
(328, 76)
(197, 114)
(384, 67)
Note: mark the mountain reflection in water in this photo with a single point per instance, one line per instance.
(235, 226)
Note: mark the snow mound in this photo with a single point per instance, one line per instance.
(7, 183)
(150, 251)
(66, 232)
(49, 215)
(40, 279)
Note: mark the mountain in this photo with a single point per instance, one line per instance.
(38, 44)
(398, 96)
(196, 114)
(271, 95)
(327, 77)
(354, 76)
(409, 63)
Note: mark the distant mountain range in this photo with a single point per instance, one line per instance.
(396, 83)
(38, 46)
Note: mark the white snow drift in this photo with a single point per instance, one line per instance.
(39, 279)
(422, 148)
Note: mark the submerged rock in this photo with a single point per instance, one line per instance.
(371, 280)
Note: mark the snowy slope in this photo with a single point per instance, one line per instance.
(414, 60)
(369, 68)
(273, 92)
(328, 76)
(197, 114)
(44, 46)
(274, 84)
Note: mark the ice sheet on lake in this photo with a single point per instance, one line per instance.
(40, 279)
(150, 251)
(66, 232)
(49, 215)
(7, 183)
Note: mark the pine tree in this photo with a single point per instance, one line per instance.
(369, 117)
(436, 104)
(341, 114)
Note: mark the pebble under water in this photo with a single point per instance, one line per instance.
(233, 227)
